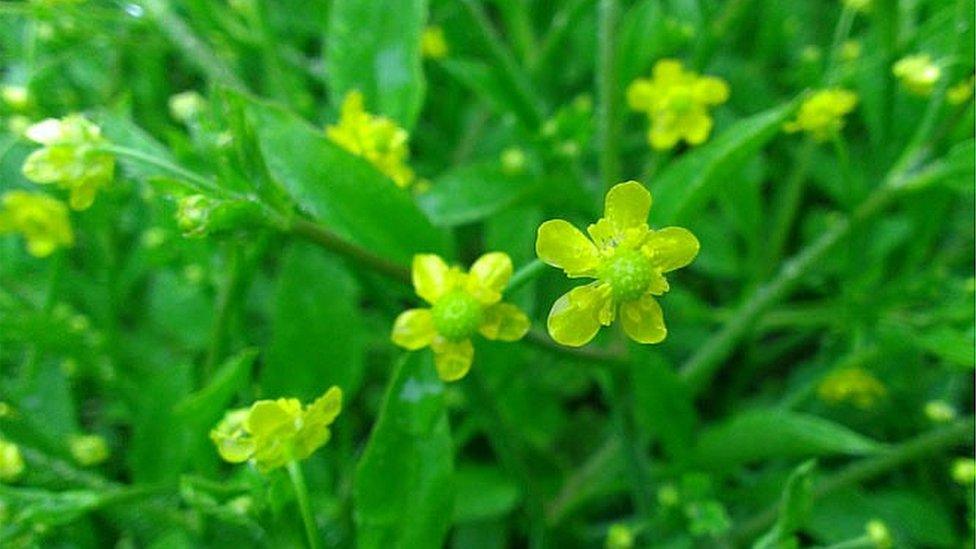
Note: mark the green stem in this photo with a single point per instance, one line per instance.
(608, 13)
(841, 32)
(788, 207)
(334, 243)
(226, 305)
(562, 23)
(301, 494)
(192, 180)
(519, 28)
(586, 354)
(863, 542)
(527, 273)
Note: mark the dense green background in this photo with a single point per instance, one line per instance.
(146, 337)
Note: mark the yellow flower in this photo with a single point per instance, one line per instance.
(961, 92)
(11, 462)
(41, 219)
(628, 261)
(918, 73)
(376, 138)
(88, 450)
(822, 114)
(462, 303)
(70, 158)
(273, 432)
(854, 385)
(432, 43)
(964, 471)
(676, 101)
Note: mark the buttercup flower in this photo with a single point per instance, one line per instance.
(11, 462)
(822, 114)
(88, 450)
(628, 260)
(70, 158)
(432, 43)
(41, 219)
(375, 138)
(462, 303)
(854, 385)
(273, 432)
(918, 73)
(677, 102)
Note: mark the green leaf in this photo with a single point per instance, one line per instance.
(795, 506)
(689, 182)
(763, 434)
(376, 50)
(318, 335)
(489, 84)
(403, 493)
(474, 192)
(483, 493)
(341, 190)
(206, 406)
(663, 405)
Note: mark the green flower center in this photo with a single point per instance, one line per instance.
(629, 274)
(457, 315)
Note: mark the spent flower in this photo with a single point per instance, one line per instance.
(71, 158)
(627, 258)
(41, 219)
(376, 138)
(272, 433)
(677, 102)
(462, 304)
(917, 73)
(822, 114)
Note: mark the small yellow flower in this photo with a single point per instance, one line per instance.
(918, 73)
(376, 138)
(11, 462)
(879, 534)
(88, 450)
(627, 258)
(854, 385)
(273, 432)
(70, 158)
(961, 92)
(822, 114)
(432, 43)
(964, 471)
(677, 102)
(41, 219)
(462, 303)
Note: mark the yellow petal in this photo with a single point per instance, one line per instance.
(488, 277)
(452, 358)
(82, 197)
(671, 248)
(711, 90)
(232, 442)
(643, 320)
(273, 417)
(505, 322)
(576, 317)
(697, 126)
(325, 409)
(626, 206)
(307, 441)
(562, 245)
(431, 277)
(45, 132)
(663, 135)
(413, 329)
(668, 69)
(44, 165)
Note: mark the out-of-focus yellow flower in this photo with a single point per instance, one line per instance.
(850, 50)
(628, 261)
(433, 45)
(854, 385)
(375, 138)
(822, 114)
(462, 304)
(70, 158)
(939, 411)
(878, 533)
(677, 102)
(619, 536)
(185, 106)
(918, 73)
(961, 92)
(273, 432)
(964, 471)
(41, 219)
(858, 5)
(16, 97)
(88, 450)
(11, 462)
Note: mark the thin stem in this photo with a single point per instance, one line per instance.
(334, 243)
(841, 32)
(527, 273)
(301, 494)
(608, 13)
(863, 542)
(226, 305)
(587, 354)
(192, 180)
(788, 206)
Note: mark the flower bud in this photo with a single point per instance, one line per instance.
(199, 215)
(88, 450)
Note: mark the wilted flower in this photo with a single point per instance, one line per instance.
(375, 138)
(918, 73)
(41, 219)
(677, 102)
(432, 43)
(273, 432)
(822, 114)
(854, 385)
(462, 304)
(88, 450)
(70, 158)
(627, 258)
(11, 462)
